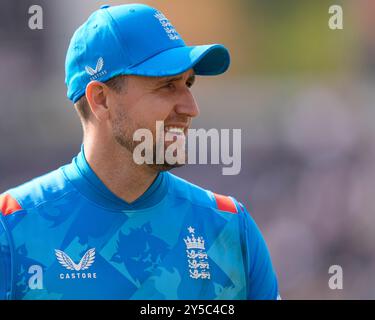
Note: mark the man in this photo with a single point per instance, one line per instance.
(104, 227)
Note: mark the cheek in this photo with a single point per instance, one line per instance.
(119, 114)
(152, 109)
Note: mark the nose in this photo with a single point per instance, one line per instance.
(186, 104)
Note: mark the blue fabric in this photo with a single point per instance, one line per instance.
(134, 39)
(75, 239)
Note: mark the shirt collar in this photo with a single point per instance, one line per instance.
(87, 182)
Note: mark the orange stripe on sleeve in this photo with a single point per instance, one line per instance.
(225, 203)
(8, 204)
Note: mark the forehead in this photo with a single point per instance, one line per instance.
(157, 80)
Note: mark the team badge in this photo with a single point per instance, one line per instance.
(196, 256)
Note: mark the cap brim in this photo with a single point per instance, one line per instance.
(206, 60)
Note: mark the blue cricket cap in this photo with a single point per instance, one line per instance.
(134, 39)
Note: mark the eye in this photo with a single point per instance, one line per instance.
(189, 84)
(169, 85)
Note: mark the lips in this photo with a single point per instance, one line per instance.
(175, 134)
(175, 130)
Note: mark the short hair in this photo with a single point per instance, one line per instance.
(116, 83)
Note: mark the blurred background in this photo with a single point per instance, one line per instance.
(302, 94)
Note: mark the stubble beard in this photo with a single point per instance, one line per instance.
(124, 137)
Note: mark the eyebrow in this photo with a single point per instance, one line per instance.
(172, 79)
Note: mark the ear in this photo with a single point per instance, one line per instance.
(97, 98)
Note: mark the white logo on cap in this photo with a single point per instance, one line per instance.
(97, 72)
(168, 27)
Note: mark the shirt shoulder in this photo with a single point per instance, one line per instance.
(33, 193)
(199, 196)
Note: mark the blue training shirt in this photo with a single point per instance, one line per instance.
(65, 235)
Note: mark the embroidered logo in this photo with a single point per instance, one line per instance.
(196, 256)
(168, 27)
(97, 72)
(85, 263)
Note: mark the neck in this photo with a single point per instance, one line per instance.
(115, 167)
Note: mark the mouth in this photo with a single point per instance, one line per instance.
(175, 131)
(175, 134)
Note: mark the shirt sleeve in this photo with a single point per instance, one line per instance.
(5, 262)
(262, 281)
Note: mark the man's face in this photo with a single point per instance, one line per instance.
(145, 100)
